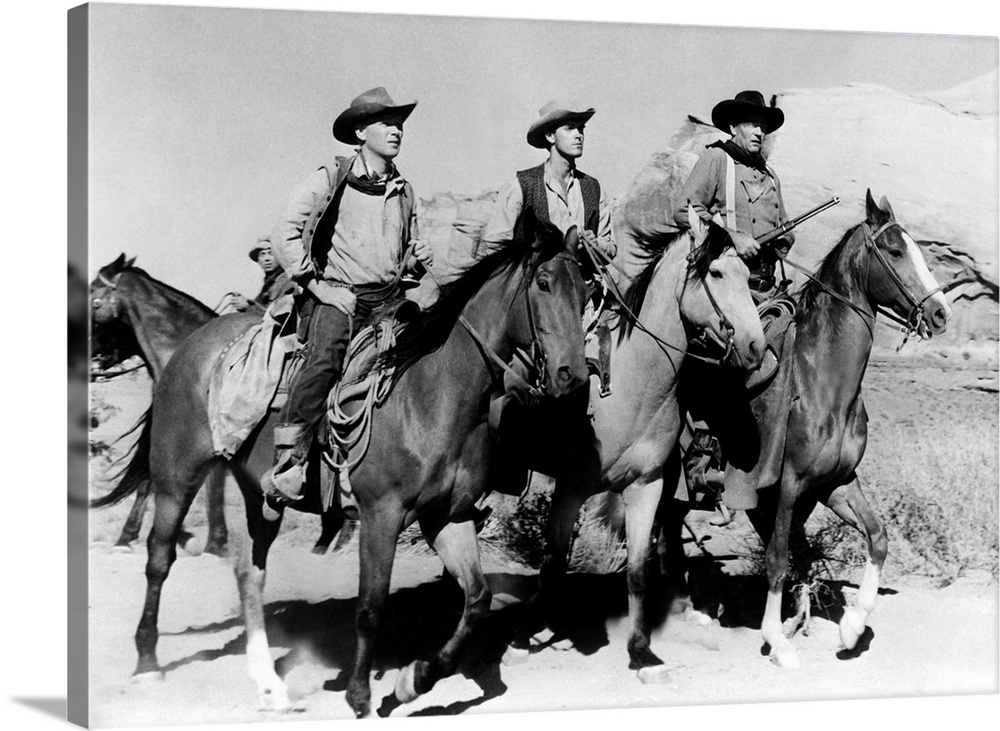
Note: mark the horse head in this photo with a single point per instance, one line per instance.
(545, 318)
(716, 296)
(896, 272)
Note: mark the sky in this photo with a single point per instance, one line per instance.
(203, 119)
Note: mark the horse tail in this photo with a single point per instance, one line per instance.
(136, 473)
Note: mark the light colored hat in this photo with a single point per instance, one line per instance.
(263, 243)
(552, 115)
(733, 111)
(371, 103)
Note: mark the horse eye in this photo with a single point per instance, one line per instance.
(543, 284)
(896, 253)
(716, 273)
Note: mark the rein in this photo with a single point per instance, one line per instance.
(910, 324)
(596, 255)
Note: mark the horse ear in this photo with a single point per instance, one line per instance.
(572, 240)
(884, 205)
(873, 214)
(698, 229)
(130, 262)
(119, 262)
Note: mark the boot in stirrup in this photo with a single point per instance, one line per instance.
(282, 483)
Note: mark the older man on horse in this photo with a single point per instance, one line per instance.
(732, 184)
(346, 237)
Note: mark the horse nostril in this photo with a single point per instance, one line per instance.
(564, 375)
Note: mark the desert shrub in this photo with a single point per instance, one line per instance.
(597, 548)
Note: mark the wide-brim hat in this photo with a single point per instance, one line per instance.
(552, 115)
(741, 107)
(263, 243)
(372, 103)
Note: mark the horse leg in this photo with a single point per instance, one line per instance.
(217, 534)
(458, 549)
(377, 547)
(800, 554)
(567, 498)
(161, 552)
(133, 524)
(252, 544)
(334, 525)
(850, 504)
(641, 501)
(783, 653)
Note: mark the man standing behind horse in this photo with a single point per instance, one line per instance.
(345, 237)
(732, 184)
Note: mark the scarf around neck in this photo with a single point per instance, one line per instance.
(740, 155)
(368, 183)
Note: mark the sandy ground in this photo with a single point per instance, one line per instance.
(922, 639)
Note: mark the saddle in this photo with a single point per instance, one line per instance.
(254, 374)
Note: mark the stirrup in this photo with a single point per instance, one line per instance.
(281, 488)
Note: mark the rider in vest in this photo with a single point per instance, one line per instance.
(733, 185)
(344, 238)
(557, 192)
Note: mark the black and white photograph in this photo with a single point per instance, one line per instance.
(425, 364)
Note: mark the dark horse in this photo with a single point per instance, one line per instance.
(131, 313)
(134, 314)
(428, 453)
(812, 418)
(691, 285)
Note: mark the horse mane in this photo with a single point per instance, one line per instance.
(428, 330)
(120, 266)
(652, 250)
(805, 299)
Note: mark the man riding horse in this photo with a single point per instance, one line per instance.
(345, 238)
(732, 184)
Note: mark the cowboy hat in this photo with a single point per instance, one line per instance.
(263, 243)
(371, 103)
(733, 111)
(552, 115)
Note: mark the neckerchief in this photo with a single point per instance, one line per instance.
(368, 183)
(741, 156)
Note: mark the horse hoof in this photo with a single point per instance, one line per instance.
(274, 700)
(515, 655)
(406, 690)
(788, 659)
(654, 675)
(147, 678)
(852, 626)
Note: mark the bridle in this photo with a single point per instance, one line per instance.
(911, 323)
(534, 359)
(728, 345)
(908, 325)
(113, 301)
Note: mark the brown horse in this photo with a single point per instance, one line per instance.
(687, 287)
(812, 416)
(131, 313)
(134, 314)
(428, 453)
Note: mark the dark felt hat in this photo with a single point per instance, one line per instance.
(366, 106)
(739, 109)
(552, 115)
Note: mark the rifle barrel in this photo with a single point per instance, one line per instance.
(789, 225)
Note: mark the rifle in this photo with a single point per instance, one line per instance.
(787, 226)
